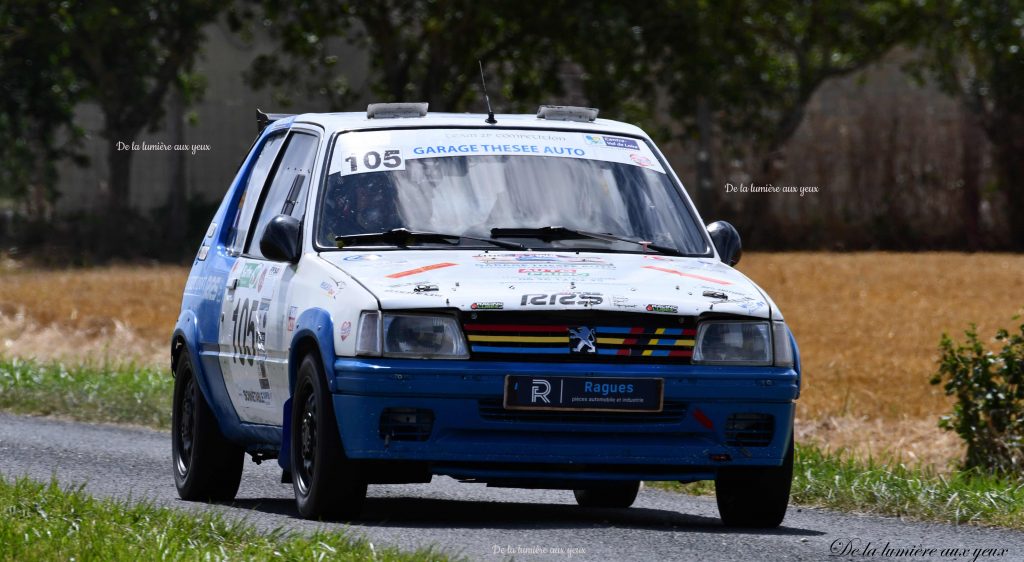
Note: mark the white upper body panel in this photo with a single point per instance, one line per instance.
(479, 279)
(545, 280)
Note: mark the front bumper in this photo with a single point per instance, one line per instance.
(470, 436)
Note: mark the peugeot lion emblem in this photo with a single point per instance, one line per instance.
(581, 340)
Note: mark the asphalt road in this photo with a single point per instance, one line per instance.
(483, 523)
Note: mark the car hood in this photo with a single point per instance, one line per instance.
(487, 280)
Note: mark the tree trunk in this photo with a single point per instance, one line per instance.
(1002, 129)
(119, 161)
(115, 218)
(971, 137)
(176, 221)
(758, 220)
(705, 195)
(39, 196)
(1010, 160)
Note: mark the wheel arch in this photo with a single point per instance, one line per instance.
(314, 334)
(183, 341)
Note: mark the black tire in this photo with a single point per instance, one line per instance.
(755, 497)
(206, 466)
(327, 484)
(618, 495)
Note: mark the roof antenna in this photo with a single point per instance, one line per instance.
(490, 113)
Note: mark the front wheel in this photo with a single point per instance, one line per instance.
(207, 466)
(755, 497)
(616, 495)
(326, 483)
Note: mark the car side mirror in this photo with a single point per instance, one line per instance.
(727, 241)
(280, 241)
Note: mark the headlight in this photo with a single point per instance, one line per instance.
(411, 335)
(733, 343)
(743, 343)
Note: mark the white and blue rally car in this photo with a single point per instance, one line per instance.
(527, 301)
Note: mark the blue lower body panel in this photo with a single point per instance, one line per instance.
(450, 415)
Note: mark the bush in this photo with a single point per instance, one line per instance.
(989, 390)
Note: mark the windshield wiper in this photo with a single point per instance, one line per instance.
(403, 237)
(563, 233)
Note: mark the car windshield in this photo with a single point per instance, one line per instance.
(482, 183)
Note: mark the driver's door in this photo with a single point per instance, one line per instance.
(253, 342)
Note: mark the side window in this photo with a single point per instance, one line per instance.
(289, 188)
(253, 187)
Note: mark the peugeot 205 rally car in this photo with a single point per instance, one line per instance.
(531, 302)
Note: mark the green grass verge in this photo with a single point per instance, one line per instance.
(95, 393)
(889, 487)
(44, 522)
(892, 488)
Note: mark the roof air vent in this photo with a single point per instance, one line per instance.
(567, 113)
(393, 110)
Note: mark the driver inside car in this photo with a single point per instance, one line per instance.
(359, 204)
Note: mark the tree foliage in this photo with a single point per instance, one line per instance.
(127, 53)
(800, 45)
(758, 63)
(304, 59)
(38, 92)
(417, 50)
(737, 73)
(730, 74)
(975, 50)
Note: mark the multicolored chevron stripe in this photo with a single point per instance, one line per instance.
(553, 339)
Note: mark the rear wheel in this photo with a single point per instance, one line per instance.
(207, 466)
(326, 483)
(755, 497)
(614, 494)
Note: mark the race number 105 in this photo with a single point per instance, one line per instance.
(373, 161)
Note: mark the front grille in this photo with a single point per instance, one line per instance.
(492, 410)
(580, 336)
(749, 430)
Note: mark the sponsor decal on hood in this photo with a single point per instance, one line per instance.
(473, 280)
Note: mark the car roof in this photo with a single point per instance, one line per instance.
(358, 121)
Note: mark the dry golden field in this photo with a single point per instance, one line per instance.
(112, 314)
(868, 325)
